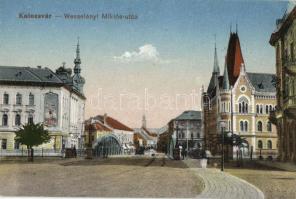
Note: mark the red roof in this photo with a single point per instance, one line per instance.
(97, 126)
(116, 124)
(112, 123)
(234, 58)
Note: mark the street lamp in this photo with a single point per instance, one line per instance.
(222, 125)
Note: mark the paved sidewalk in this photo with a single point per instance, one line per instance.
(287, 166)
(222, 185)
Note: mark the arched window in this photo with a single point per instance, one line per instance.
(259, 126)
(269, 144)
(241, 123)
(261, 109)
(18, 99)
(260, 145)
(5, 98)
(269, 127)
(17, 120)
(243, 105)
(30, 119)
(257, 108)
(246, 125)
(31, 99)
(266, 109)
(4, 120)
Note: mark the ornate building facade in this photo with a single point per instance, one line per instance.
(242, 101)
(284, 39)
(39, 95)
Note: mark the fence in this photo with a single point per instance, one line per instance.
(37, 152)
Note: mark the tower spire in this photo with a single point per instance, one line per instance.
(225, 84)
(77, 60)
(216, 68)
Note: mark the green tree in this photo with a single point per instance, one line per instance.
(32, 135)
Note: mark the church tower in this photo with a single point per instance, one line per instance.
(78, 80)
(215, 74)
(234, 58)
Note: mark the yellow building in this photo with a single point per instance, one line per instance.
(243, 102)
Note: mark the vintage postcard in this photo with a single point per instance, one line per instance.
(148, 98)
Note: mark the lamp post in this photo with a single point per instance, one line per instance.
(222, 125)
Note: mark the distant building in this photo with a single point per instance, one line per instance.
(186, 130)
(284, 40)
(144, 136)
(39, 95)
(243, 102)
(109, 133)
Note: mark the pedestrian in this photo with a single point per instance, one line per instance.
(74, 152)
(183, 154)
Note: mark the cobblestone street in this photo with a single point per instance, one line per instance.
(222, 185)
(274, 183)
(112, 177)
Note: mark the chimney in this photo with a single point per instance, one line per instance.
(105, 118)
(39, 67)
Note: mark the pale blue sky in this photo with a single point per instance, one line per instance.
(181, 32)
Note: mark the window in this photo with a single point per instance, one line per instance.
(31, 99)
(241, 124)
(243, 105)
(246, 126)
(269, 128)
(261, 109)
(18, 99)
(17, 120)
(266, 109)
(5, 98)
(4, 144)
(270, 108)
(269, 144)
(30, 119)
(260, 144)
(4, 120)
(259, 126)
(257, 108)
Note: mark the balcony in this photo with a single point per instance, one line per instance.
(289, 67)
(4, 107)
(30, 108)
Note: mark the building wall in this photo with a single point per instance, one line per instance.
(285, 115)
(70, 131)
(222, 112)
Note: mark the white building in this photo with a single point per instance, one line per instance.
(41, 96)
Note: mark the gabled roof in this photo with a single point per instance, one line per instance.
(97, 126)
(234, 58)
(189, 115)
(262, 82)
(113, 123)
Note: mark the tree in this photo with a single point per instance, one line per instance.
(32, 135)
